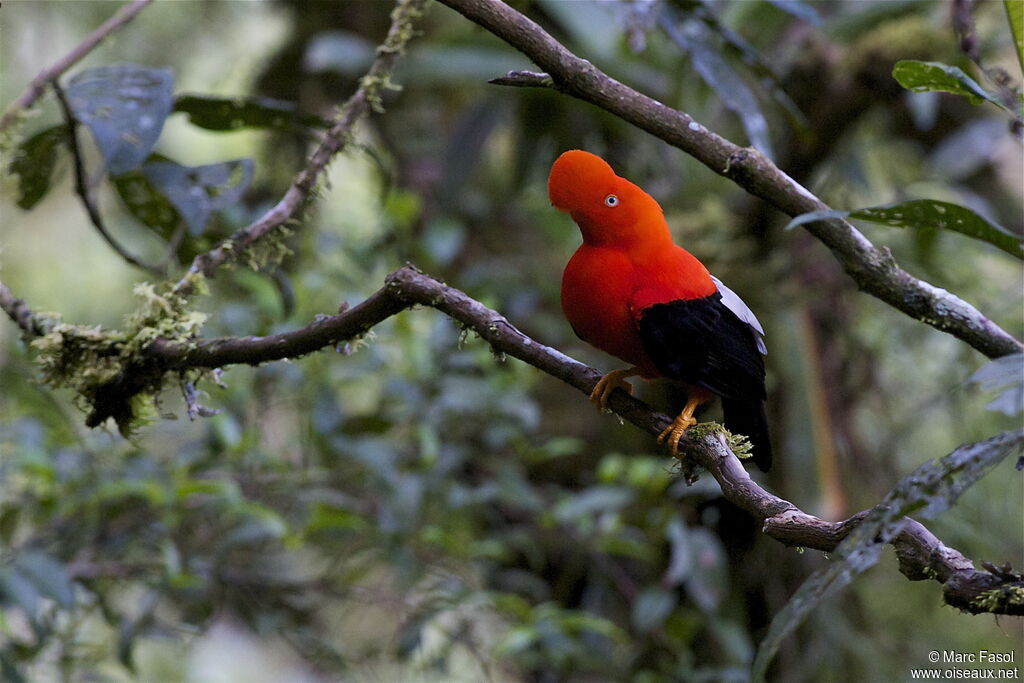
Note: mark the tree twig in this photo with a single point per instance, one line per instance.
(20, 313)
(872, 268)
(37, 86)
(82, 187)
(921, 555)
(367, 97)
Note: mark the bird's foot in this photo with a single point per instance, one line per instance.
(674, 432)
(616, 379)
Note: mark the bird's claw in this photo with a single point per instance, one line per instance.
(674, 432)
(609, 383)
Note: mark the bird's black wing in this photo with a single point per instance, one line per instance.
(703, 342)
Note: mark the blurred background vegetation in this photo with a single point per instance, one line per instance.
(418, 509)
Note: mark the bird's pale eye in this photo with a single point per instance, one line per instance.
(611, 200)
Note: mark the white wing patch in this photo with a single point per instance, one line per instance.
(735, 304)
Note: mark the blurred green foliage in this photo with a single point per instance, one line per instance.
(413, 507)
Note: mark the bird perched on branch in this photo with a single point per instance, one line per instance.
(631, 291)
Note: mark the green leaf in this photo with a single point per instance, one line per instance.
(926, 214)
(930, 489)
(936, 76)
(223, 489)
(651, 607)
(330, 518)
(341, 51)
(15, 587)
(119, 490)
(146, 203)
(681, 563)
(48, 576)
(1005, 375)
(197, 191)
(707, 584)
(517, 640)
(124, 107)
(1015, 15)
(33, 163)
(219, 113)
(694, 37)
(592, 501)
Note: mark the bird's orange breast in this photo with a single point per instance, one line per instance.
(597, 288)
(604, 291)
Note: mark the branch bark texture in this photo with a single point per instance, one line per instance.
(20, 314)
(921, 555)
(872, 268)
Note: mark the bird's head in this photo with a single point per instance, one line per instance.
(609, 209)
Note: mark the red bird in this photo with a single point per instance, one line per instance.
(631, 291)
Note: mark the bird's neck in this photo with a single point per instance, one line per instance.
(639, 239)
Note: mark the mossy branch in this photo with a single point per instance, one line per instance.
(140, 363)
(367, 97)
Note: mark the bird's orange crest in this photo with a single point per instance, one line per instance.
(609, 209)
(579, 179)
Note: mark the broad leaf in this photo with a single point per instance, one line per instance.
(694, 37)
(124, 107)
(197, 191)
(218, 113)
(597, 499)
(760, 66)
(145, 202)
(931, 489)
(48, 576)
(1005, 375)
(340, 51)
(935, 76)
(33, 163)
(927, 214)
(652, 606)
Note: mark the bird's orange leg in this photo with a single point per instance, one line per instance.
(683, 421)
(616, 379)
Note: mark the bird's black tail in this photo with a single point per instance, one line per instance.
(748, 418)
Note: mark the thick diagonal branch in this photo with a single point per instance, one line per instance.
(872, 268)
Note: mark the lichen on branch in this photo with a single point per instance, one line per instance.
(89, 360)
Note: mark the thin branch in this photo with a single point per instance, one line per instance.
(872, 268)
(172, 246)
(366, 98)
(921, 555)
(37, 86)
(82, 186)
(19, 312)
